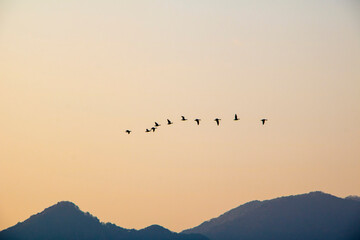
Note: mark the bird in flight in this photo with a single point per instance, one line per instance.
(169, 122)
(183, 118)
(157, 125)
(128, 131)
(236, 118)
(217, 120)
(147, 130)
(263, 121)
(153, 129)
(197, 121)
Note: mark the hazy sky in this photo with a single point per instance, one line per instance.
(74, 75)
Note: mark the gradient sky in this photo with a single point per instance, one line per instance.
(75, 74)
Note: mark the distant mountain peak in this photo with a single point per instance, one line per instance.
(64, 205)
(307, 195)
(155, 227)
(64, 209)
(157, 230)
(315, 193)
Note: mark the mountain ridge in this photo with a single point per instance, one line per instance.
(65, 220)
(314, 215)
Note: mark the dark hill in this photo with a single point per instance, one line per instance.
(66, 221)
(312, 216)
(353, 197)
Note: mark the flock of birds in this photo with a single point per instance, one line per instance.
(197, 120)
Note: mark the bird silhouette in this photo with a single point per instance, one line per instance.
(157, 125)
(217, 120)
(153, 129)
(263, 121)
(197, 121)
(183, 118)
(236, 118)
(147, 130)
(128, 131)
(169, 122)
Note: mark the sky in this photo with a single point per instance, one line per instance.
(74, 75)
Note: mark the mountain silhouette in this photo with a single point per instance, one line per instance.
(311, 216)
(65, 220)
(353, 197)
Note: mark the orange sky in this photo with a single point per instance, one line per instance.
(74, 75)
